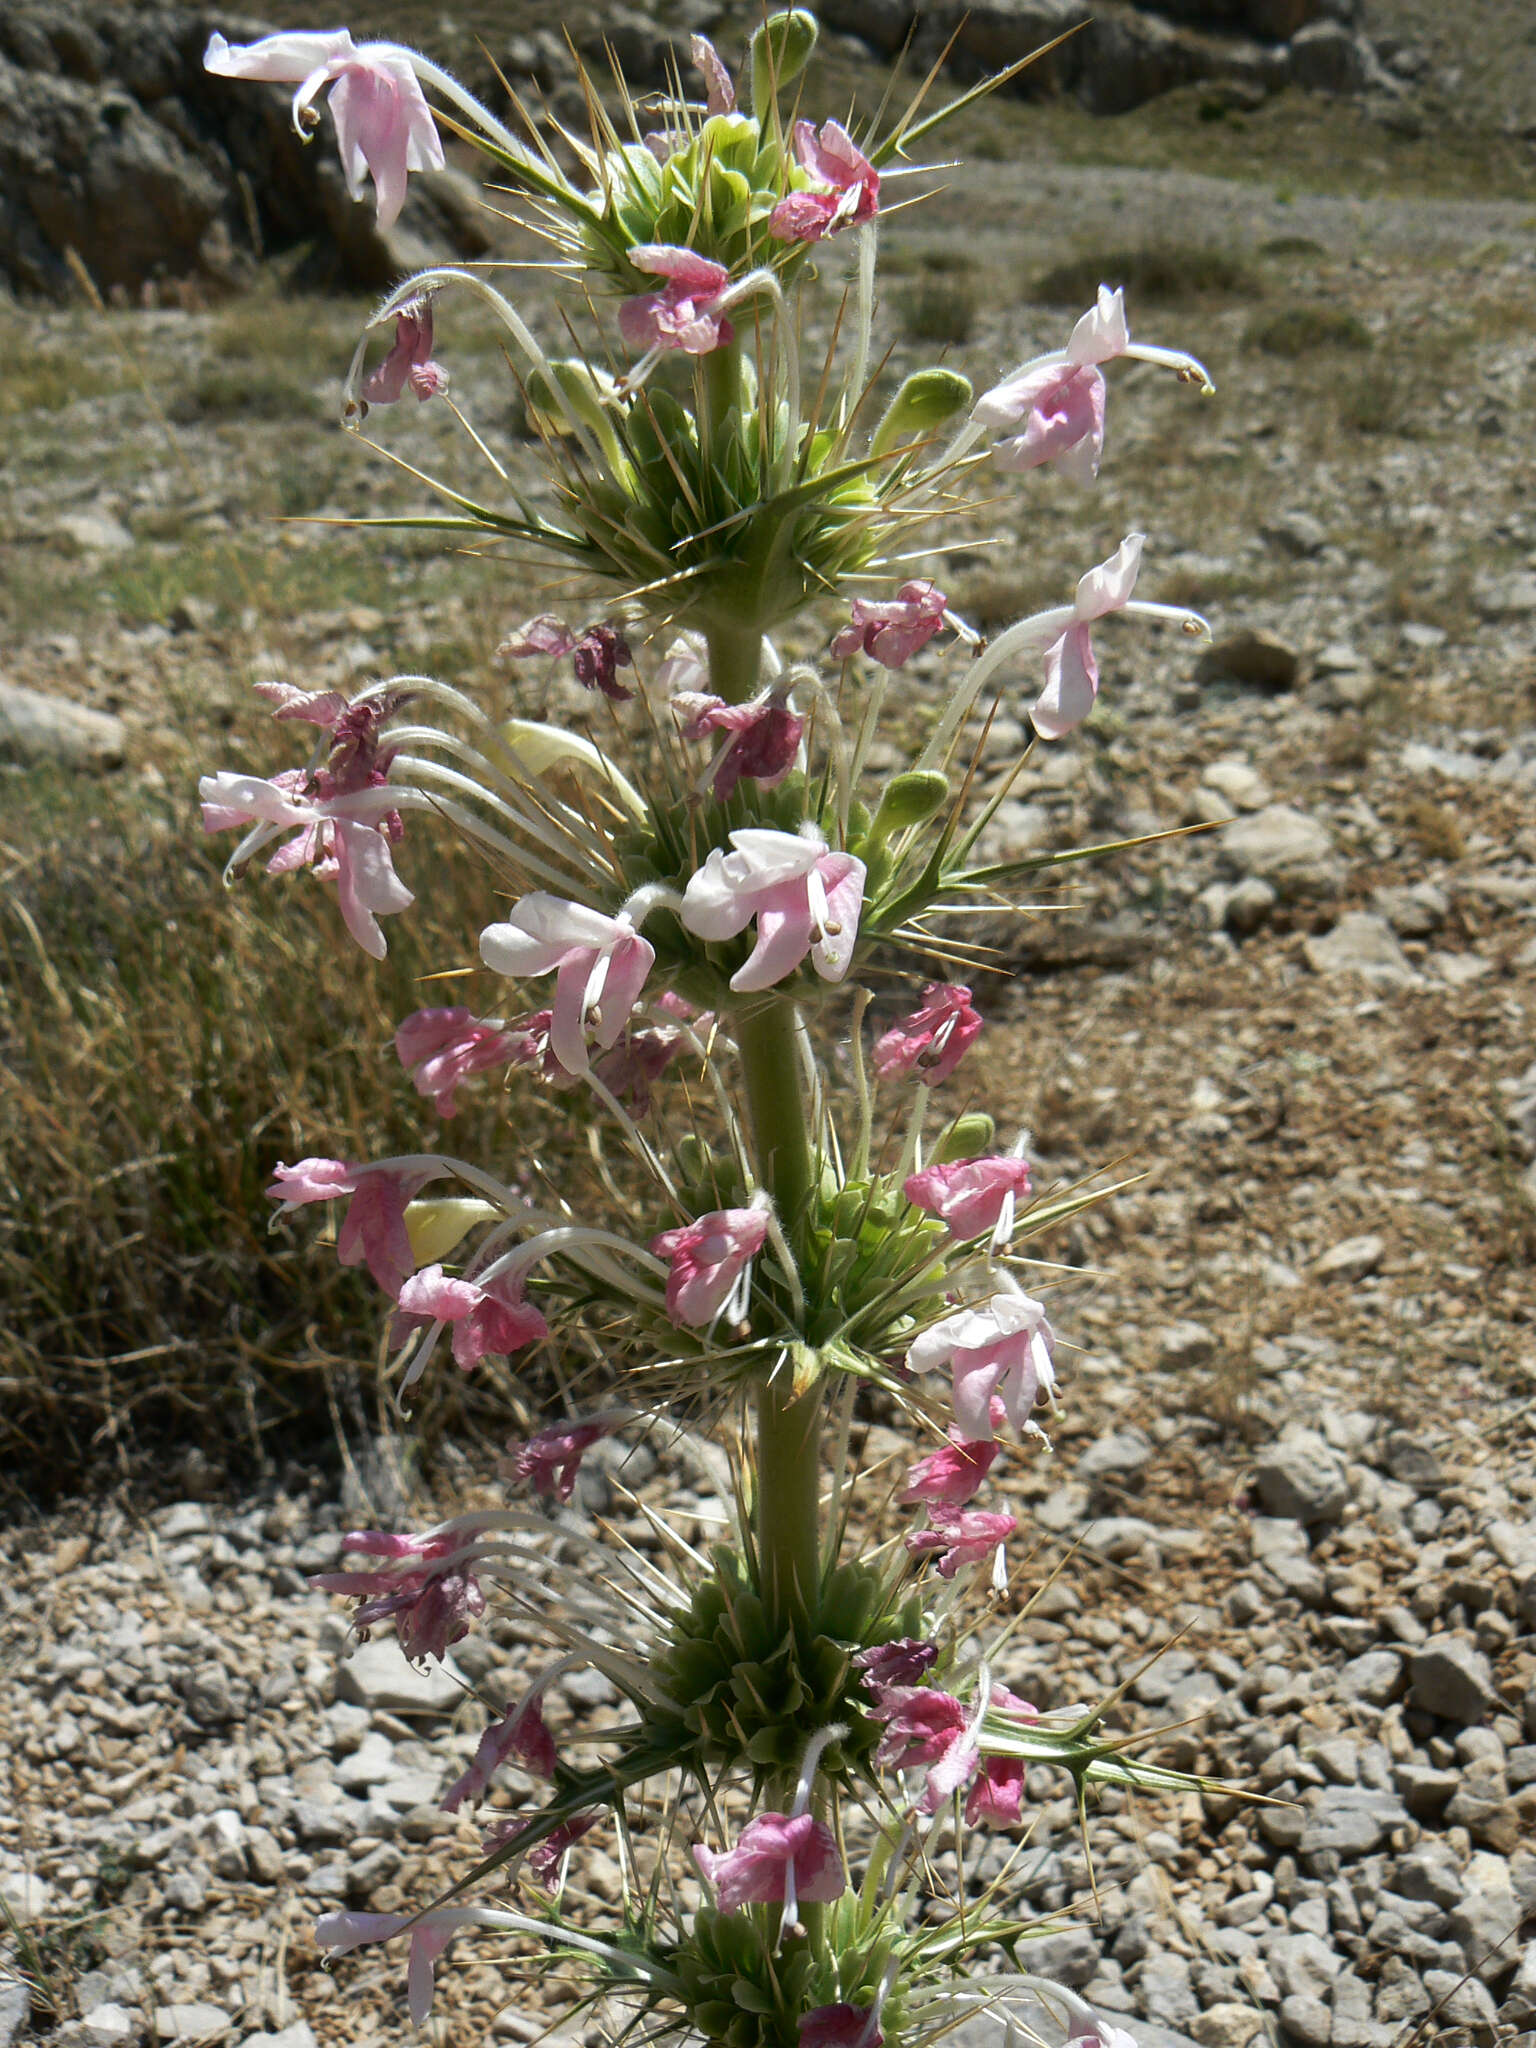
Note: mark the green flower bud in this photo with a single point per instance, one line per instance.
(778, 52)
(908, 800)
(967, 1137)
(925, 401)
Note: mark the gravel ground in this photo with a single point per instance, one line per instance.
(1299, 1427)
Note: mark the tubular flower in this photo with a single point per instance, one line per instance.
(764, 737)
(493, 1320)
(970, 1195)
(597, 656)
(383, 123)
(344, 837)
(1053, 408)
(683, 314)
(549, 1461)
(439, 1049)
(925, 1727)
(521, 1735)
(599, 963)
(901, 1663)
(409, 365)
(960, 1536)
(952, 1475)
(1004, 1349)
(431, 1599)
(892, 633)
(339, 1933)
(997, 1796)
(778, 1857)
(806, 900)
(711, 1264)
(373, 1232)
(930, 1044)
(846, 186)
(1060, 636)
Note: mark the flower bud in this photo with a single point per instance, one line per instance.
(966, 1138)
(909, 799)
(435, 1226)
(778, 52)
(925, 401)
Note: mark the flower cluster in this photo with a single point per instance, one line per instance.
(699, 897)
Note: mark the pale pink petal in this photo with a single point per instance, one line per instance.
(1109, 586)
(1071, 684)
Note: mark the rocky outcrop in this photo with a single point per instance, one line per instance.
(116, 144)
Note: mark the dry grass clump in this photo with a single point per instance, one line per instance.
(162, 1043)
(1295, 330)
(1154, 274)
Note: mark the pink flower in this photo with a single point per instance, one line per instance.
(544, 634)
(901, 1663)
(927, 1727)
(952, 1475)
(599, 963)
(765, 737)
(710, 1259)
(931, 1043)
(1004, 1349)
(1060, 637)
(628, 1069)
(345, 837)
(841, 2026)
(311, 707)
(997, 1796)
(373, 1231)
(778, 1857)
(720, 93)
(960, 1536)
(849, 186)
(431, 1599)
(1054, 407)
(806, 900)
(339, 1933)
(409, 364)
(971, 1195)
(383, 123)
(439, 1049)
(549, 1461)
(545, 1860)
(1097, 2032)
(597, 656)
(493, 1319)
(892, 633)
(519, 1734)
(684, 314)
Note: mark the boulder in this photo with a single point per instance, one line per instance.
(1284, 847)
(35, 728)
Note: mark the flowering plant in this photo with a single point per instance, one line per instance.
(701, 869)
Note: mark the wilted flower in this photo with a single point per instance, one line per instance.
(900, 1663)
(431, 1598)
(409, 365)
(683, 314)
(997, 1794)
(765, 737)
(841, 2026)
(373, 1232)
(845, 191)
(953, 1474)
(544, 1860)
(778, 1856)
(550, 1460)
(891, 633)
(970, 1195)
(521, 1735)
(441, 1048)
(928, 1728)
(960, 1536)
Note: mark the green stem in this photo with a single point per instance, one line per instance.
(788, 1494)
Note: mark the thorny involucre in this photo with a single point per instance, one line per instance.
(697, 859)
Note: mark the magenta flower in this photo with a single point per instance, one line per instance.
(431, 1600)
(841, 2026)
(409, 365)
(952, 1475)
(490, 1320)
(845, 186)
(1004, 1349)
(545, 1860)
(710, 1264)
(960, 1536)
(597, 656)
(997, 1795)
(1053, 408)
(891, 633)
(778, 1857)
(806, 900)
(549, 1461)
(765, 736)
(599, 963)
(339, 1933)
(901, 1663)
(383, 123)
(439, 1049)
(344, 837)
(720, 93)
(931, 1043)
(924, 1727)
(972, 1196)
(521, 1735)
(685, 313)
